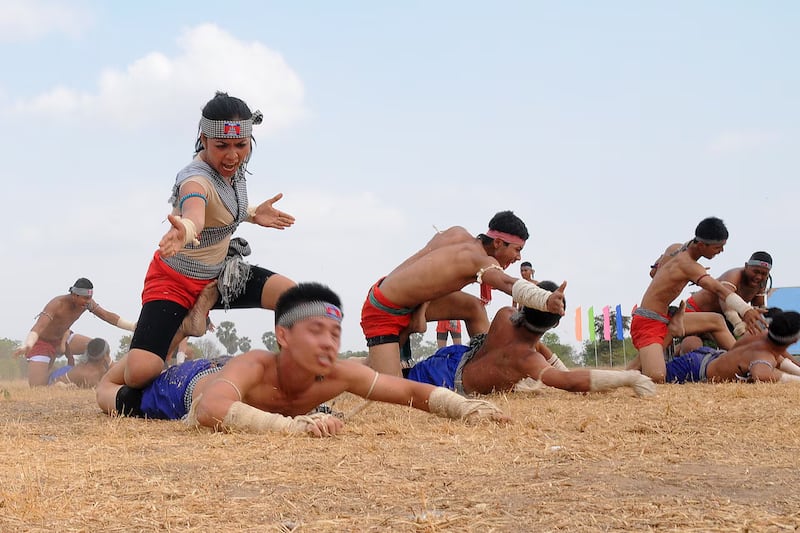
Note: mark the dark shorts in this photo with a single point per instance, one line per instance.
(166, 397)
(440, 368)
(691, 367)
(160, 319)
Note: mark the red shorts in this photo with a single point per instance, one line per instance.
(646, 331)
(445, 326)
(380, 317)
(691, 306)
(42, 348)
(163, 283)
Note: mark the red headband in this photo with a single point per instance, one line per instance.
(505, 237)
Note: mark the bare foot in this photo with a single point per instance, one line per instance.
(194, 325)
(675, 326)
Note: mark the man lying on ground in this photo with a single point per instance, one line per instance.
(91, 367)
(762, 357)
(262, 391)
(507, 354)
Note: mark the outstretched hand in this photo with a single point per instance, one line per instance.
(555, 302)
(756, 323)
(172, 241)
(266, 215)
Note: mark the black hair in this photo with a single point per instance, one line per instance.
(543, 319)
(784, 325)
(97, 349)
(304, 293)
(507, 222)
(82, 283)
(226, 107)
(711, 229)
(525, 264)
(761, 256)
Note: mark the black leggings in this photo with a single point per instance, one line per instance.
(160, 319)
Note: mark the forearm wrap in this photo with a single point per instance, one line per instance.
(30, 340)
(446, 403)
(251, 213)
(789, 366)
(245, 417)
(788, 378)
(126, 324)
(191, 231)
(530, 295)
(557, 363)
(735, 302)
(604, 380)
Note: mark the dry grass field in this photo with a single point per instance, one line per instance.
(695, 458)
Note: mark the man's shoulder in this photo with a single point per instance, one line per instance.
(732, 275)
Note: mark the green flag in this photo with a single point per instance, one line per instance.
(591, 324)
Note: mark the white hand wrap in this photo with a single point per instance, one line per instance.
(30, 340)
(789, 366)
(180, 357)
(191, 231)
(603, 380)
(739, 325)
(246, 417)
(530, 295)
(788, 378)
(126, 324)
(446, 403)
(557, 363)
(251, 213)
(735, 302)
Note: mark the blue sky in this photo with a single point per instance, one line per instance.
(611, 128)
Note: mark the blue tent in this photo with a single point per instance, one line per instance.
(788, 299)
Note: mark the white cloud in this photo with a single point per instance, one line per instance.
(26, 20)
(736, 141)
(161, 92)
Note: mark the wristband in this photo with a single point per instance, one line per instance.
(126, 324)
(530, 295)
(735, 302)
(191, 231)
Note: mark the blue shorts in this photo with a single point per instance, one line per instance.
(692, 366)
(440, 368)
(57, 373)
(165, 398)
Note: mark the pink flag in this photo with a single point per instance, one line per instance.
(578, 325)
(606, 324)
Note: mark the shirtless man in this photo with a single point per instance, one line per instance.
(44, 342)
(261, 391)
(761, 357)
(649, 327)
(87, 373)
(429, 284)
(509, 353)
(749, 282)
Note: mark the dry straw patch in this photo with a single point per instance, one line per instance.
(695, 458)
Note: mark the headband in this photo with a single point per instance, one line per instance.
(758, 263)
(518, 319)
(80, 291)
(787, 340)
(230, 129)
(308, 310)
(710, 241)
(505, 237)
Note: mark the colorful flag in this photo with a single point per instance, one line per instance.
(620, 328)
(591, 324)
(606, 325)
(578, 325)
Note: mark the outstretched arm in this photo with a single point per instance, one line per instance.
(372, 385)
(187, 226)
(753, 317)
(523, 291)
(112, 318)
(266, 215)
